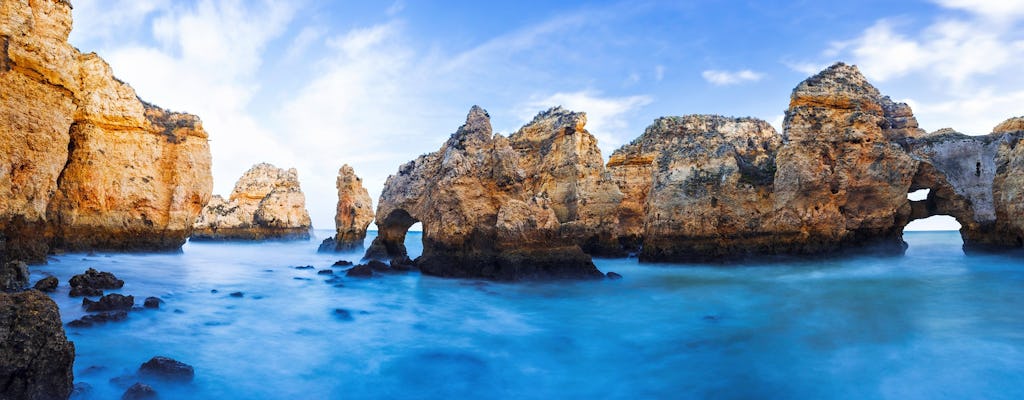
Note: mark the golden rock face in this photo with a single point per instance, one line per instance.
(85, 163)
(480, 212)
(355, 210)
(266, 203)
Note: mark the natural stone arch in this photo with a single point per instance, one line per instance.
(391, 232)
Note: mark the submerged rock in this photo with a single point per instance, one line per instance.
(152, 302)
(81, 391)
(343, 314)
(47, 284)
(613, 275)
(110, 302)
(36, 356)
(167, 369)
(13, 276)
(92, 283)
(480, 218)
(266, 203)
(99, 318)
(342, 263)
(87, 165)
(139, 391)
(360, 271)
(354, 213)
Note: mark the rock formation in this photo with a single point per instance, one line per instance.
(85, 164)
(479, 219)
(711, 188)
(267, 203)
(354, 214)
(696, 183)
(36, 356)
(561, 162)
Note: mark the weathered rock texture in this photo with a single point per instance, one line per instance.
(710, 188)
(354, 214)
(85, 164)
(36, 356)
(479, 217)
(560, 161)
(267, 203)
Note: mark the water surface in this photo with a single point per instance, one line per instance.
(932, 324)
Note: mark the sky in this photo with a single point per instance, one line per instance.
(317, 84)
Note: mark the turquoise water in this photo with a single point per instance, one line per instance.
(932, 324)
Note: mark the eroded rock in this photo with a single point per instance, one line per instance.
(13, 276)
(85, 164)
(110, 302)
(354, 213)
(36, 356)
(266, 203)
(166, 368)
(47, 284)
(474, 204)
(92, 283)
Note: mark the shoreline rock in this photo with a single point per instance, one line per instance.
(87, 164)
(267, 203)
(37, 357)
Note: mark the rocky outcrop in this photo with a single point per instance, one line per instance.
(354, 214)
(267, 203)
(698, 185)
(85, 164)
(13, 276)
(479, 219)
(37, 357)
(561, 162)
(712, 188)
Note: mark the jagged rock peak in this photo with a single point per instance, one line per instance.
(477, 128)
(838, 78)
(266, 203)
(354, 212)
(561, 117)
(1011, 125)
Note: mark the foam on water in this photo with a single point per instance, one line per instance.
(932, 324)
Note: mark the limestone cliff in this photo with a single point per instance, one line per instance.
(266, 203)
(560, 161)
(84, 163)
(354, 213)
(708, 187)
(479, 218)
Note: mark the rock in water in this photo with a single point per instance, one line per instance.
(36, 355)
(92, 283)
(354, 214)
(47, 284)
(139, 391)
(560, 160)
(13, 276)
(167, 369)
(152, 302)
(110, 302)
(267, 203)
(479, 219)
(360, 271)
(99, 318)
(84, 159)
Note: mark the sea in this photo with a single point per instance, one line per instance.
(932, 324)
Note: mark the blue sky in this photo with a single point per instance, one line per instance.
(315, 84)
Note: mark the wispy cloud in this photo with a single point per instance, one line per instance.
(723, 78)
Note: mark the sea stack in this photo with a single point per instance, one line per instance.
(85, 164)
(354, 213)
(479, 218)
(267, 203)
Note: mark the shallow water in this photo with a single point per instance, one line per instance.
(932, 324)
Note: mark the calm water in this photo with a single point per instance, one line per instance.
(932, 324)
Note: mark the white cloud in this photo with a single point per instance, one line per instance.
(606, 116)
(722, 78)
(998, 10)
(105, 19)
(205, 62)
